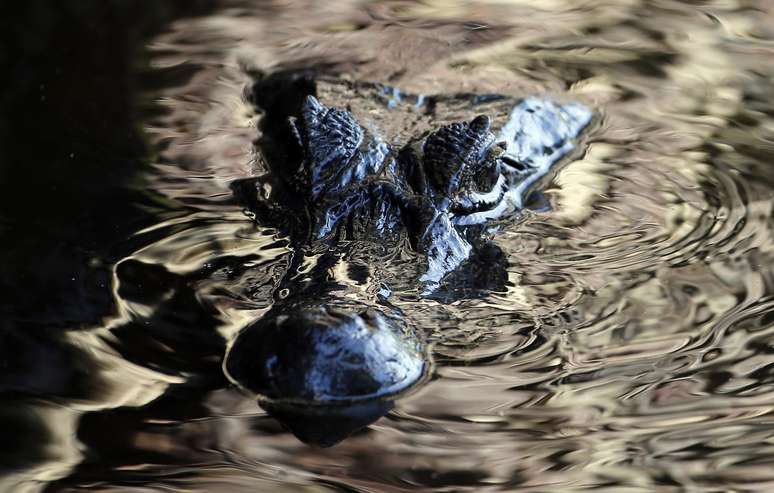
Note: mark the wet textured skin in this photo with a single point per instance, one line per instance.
(447, 191)
(453, 183)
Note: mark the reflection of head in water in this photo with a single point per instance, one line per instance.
(335, 365)
(325, 426)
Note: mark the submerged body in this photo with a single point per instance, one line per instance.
(446, 191)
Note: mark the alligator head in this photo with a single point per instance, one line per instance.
(448, 190)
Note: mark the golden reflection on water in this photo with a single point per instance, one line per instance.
(631, 350)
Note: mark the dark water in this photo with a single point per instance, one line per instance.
(630, 351)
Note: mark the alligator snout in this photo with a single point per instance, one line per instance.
(326, 355)
(329, 369)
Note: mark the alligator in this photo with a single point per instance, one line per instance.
(336, 182)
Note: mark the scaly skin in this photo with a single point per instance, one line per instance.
(463, 175)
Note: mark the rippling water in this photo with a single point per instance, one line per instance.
(630, 350)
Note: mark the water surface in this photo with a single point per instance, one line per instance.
(630, 349)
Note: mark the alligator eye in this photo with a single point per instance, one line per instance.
(516, 166)
(485, 178)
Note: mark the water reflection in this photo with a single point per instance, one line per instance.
(626, 345)
(329, 425)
